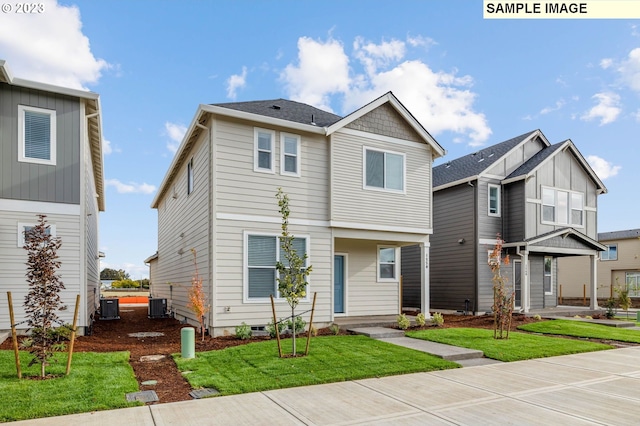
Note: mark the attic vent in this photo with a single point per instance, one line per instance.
(491, 155)
(313, 120)
(446, 166)
(275, 106)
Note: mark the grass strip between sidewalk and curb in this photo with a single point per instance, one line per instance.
(519, 346)
(98, 381)
(256, 366)
(583, 329)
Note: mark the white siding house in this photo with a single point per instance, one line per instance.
(58, 173)
(359, 188)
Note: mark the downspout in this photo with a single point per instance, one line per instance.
(476, 238)
(524, 283)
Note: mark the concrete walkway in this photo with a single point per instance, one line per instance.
(591, 388)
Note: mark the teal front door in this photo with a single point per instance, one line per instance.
(338, 283)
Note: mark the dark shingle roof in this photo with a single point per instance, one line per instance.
(473, 164)
(619, 235)
(535, 161)
(285, 110)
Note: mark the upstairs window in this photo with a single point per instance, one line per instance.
(494, 200)
(37, 135)
(562, 207)
(611, 253)
(190, 176)
(23, 228)
(263, 150)
(384, 170)
(289, 154)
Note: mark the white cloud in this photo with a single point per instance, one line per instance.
(602, 167)
(176, 133)
(106, 147)
(629, 70)
(421, 41)
(49, 47)
(559, 104)
(235, 82)
(606, 110)
(131, 187)
(606, 63)
(441, 101)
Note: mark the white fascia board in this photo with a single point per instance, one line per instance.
(228, 112)
(514, 179)
(602, 189)
(456, 183)
(85, 94)
(5, 73)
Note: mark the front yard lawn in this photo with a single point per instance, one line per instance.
(98, 381)
(518, 347)
(257, 367)
(583, 329)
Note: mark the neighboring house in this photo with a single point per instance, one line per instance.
(542, 200)
(51, 164)
(359, 188)
(619, 266)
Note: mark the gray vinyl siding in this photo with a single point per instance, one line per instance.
(514, 215)
(452, 268)
(488, 226)
(516, 158)
(351, 203)
(536, 277)
(411, 277)
(183, 224)
(91, 243)
(37, 182)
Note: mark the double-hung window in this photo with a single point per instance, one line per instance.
(611, 253)
(23, 228)
(548, 275)
(264, 150)
(384, 170)
(562, 207)
(494, 200)
(36, 135)
(387, 264)
(262, 252)
(190, 176)
(289, 154)
(633, 283)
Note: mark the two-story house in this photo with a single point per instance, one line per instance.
(359, 188)
(51, 164)
(618, 267)
(540, 198)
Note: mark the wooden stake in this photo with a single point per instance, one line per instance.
(276, 325)
(14, 335)
(313, 309)
(73, 334)
(584, 294)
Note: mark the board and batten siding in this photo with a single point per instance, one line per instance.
(452, 265)
(241, 190)
(38, 182)
(231, 309)
(516, 158)
(13, 259)
(514, 204)
(184, 224)
(411, 277)
(352, 203)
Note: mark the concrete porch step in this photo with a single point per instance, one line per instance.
(377, 332)
(607, 322)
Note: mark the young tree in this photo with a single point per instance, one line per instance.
(43, 299)
(292, 273)
(197, 299)
(503, 298)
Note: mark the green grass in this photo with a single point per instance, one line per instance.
(98, 381)
(257, 367)
(518, 347)
(583, 329)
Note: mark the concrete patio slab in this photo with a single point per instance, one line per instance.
(246, 409)
(604, 364)
(625, 387)
(495, 380)
(419, 419)
(560, 374)
(136, 416)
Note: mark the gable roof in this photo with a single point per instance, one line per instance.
(619, 235)
(562, 233)
(469, 167)
(93, 115)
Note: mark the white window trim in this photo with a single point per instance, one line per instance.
(397, 264)
(282, 155)
(256, 168)
(22, 225)
(21, 135)
(608, 251)
(190, 180)
(245, 268)
(555, 205)
(364, 170)
(499, 200)
(544, 260)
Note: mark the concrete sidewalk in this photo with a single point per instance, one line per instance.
(591, 388)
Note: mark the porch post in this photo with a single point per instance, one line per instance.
(524, 274)
(424, 279)
(594, 278)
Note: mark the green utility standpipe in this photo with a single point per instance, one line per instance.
(188, 342)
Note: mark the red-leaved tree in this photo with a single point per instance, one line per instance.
(197, 298)
(503, 297)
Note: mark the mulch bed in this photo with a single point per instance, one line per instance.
(113, 335)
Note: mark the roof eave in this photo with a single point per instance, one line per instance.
(455, 183)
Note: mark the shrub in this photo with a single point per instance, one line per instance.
(335, 329)
(611, 306)
(243, 331)
(537, 317)
(403, 322)
(421, 320)
(271, 328)
(127, 283)
(300, 324)
(313, 330)
(437, 319)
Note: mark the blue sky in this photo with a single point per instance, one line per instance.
(471, 82)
